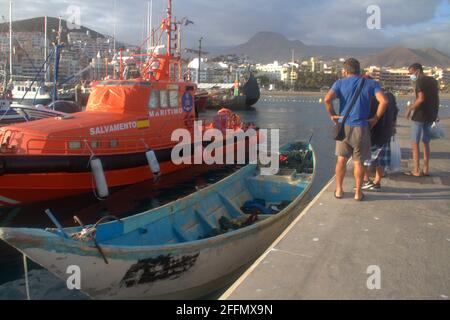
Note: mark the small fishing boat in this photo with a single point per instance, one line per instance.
(223, 95)
(186, 249)
(13, 113)
(31, 94)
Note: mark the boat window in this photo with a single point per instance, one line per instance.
(33, 89)
(153, 103)
(95, 144)
(113, 144)
(164, 99)
(74, 145)
(174, 99)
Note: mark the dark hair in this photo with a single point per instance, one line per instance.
(352, 66)
(416, 66)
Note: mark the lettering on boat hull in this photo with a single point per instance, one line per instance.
(156, 269)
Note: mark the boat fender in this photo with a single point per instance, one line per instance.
(153, 164)
(99, 176)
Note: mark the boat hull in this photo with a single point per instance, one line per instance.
(51, 178)
(190, 273)
(25, 188)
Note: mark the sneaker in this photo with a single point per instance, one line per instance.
(368, 185)
(375, 187)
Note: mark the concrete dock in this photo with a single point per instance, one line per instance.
(394, 245)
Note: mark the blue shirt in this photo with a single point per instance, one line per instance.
(345, 89)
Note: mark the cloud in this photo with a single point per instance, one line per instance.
(231, 22)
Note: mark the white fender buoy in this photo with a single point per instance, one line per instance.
(320, 100)
(99, 177)
(153, 163)
(408, 104)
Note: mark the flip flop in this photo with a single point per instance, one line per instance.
(362, 198)
(339, 198)
(412, 174)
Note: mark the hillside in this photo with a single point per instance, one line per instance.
(266, 47)
(400, 57)
(38, 25)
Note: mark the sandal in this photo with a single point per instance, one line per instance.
(412, 174)
(336, 196)
(361, 199)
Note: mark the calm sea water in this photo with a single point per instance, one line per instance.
(297, 118)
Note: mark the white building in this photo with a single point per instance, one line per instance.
(273, 71)
(210, 72)
(317, 66)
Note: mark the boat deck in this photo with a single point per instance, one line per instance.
(329, 250)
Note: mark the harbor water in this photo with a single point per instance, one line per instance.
(297, 118)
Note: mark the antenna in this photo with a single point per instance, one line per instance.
(10, 42)
(149, 24)
(45, 47)
(114, 31)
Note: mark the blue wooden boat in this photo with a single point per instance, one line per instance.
(184, 250)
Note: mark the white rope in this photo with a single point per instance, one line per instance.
(27, 284)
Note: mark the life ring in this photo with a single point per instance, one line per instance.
(235, 121)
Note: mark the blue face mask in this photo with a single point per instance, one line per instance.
(413, 77)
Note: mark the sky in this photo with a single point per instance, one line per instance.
(410, 23)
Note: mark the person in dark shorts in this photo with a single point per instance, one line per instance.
(423, 112)
(357, 128)
(381, 137)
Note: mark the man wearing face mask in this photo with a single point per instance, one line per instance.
(423, 112)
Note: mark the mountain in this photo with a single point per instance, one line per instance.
(400, 57)
(266, 47)
(38, 25)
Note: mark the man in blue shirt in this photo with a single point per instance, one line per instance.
(357, 143)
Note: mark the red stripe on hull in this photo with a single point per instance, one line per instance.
(28, 188)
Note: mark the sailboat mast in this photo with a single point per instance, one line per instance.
(114, 27)
(169, 29)
(10, 42)
(149, 25)
(45, 47)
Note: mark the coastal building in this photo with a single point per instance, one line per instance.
(443, 76)
(88, 45)
(399, 78)
(28, 53)
(290, 72)
(211, 72)
(317, 66)
(274, 71)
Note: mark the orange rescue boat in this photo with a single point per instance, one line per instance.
(122, 138)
